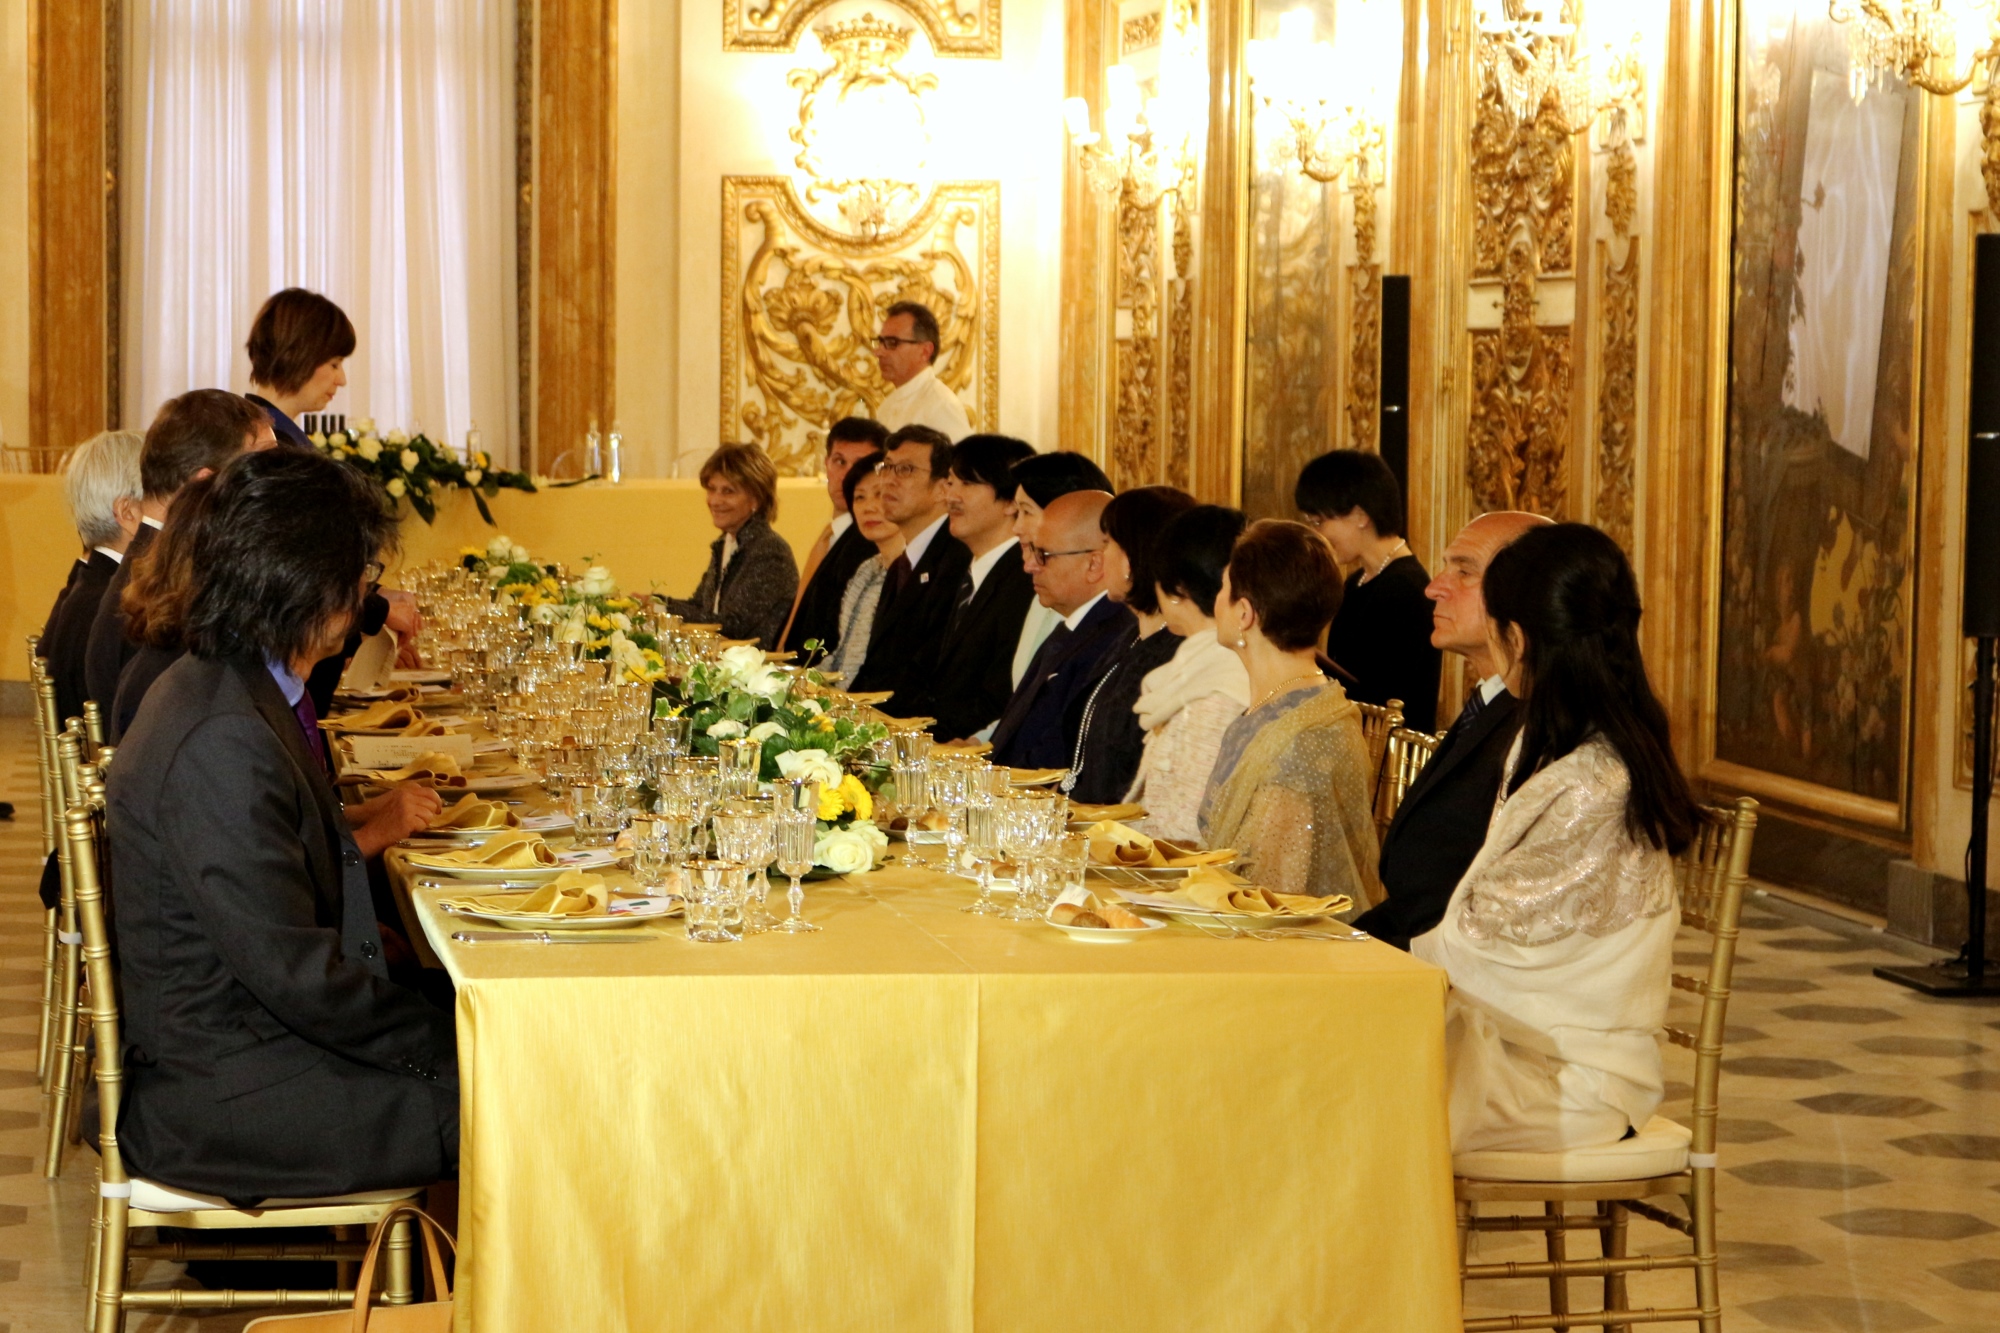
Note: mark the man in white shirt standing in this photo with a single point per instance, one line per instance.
(907, 351)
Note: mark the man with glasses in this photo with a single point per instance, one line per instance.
(906, 351)
(918, 592)
(1039, 728)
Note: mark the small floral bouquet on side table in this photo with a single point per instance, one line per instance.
(742, 695)
(413, 468)
(588, 609)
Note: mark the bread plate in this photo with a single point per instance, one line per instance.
(628, 912)
(1106, 934)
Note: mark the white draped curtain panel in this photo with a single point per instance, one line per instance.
(360, 148)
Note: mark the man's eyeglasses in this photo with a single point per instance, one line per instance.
(902, 471)
(1044, 557)
(889, 343)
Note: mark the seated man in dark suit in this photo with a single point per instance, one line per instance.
(1038, 728)
(840, 548)
(1442, 821)
(102, 484)
(973, 677)
(268, 1054)
(923, 581)
(193, 434)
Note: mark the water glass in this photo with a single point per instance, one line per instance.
(911, 747)
(982, 848)
(742, 761)
(912, 799)
(672, 736)
(714, 901)
(653, 851)
(744, 834)
(599, 811)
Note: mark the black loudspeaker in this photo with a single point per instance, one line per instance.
(1982, 457)
(1394, 431)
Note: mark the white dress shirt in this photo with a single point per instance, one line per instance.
(983, 566)
(117, 557)
(924, 400)
(920, 543)
(838, 528)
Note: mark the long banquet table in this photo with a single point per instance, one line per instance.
(919, 1119)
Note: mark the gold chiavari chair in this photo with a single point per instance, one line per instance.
(44, 702)
(93, 723)
(68, 1044)
(126, 1203)
(1664, 1160)
(1408, 752)
(1377, 722)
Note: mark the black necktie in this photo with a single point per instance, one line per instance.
(961, 600)
(900, 574)
(1475, 704)
(1030, 689)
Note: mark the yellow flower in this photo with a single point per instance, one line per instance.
(598, 645)
(826, 723)
(831, 806)
(598, 623)
(618, 603)
(478, 552)
(856, 798)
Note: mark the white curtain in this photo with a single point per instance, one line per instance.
(360, 148)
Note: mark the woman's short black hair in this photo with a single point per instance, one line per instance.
(295, 333)
(1045, 476)
(988, 460)
(1571, 591)
(863, 469)
(1195, 552)
(1287, 573)
(1137, 520)
(279, 561)
(1345, 480)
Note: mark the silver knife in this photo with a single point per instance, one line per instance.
(543, 937)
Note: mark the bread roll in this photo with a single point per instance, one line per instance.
(1091, 919)
(1120, 919)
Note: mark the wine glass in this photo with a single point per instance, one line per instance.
(1023, 831)
(741, 761)
(598, 810)
(982, 848)
(797, 802)
(744, 834)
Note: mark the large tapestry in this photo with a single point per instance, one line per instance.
(1813, 654)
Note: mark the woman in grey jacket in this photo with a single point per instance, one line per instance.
(751, 575)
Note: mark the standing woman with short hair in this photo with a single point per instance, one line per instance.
(298, 347)
(751, 575)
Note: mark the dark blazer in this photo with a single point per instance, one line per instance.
(108, 650)
(1038, 728)
(1441, 825)
(147, 665)
(819, 609)
(49, 625)
(287, 430)
(267, 1052)
(70, 642)
(757, 587)
(973, 676)
(903, 649)
(1109, 739)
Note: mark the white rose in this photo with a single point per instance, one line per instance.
(545, 614)
(812, 706)
(317, 439)
(845, 851)
(573, 631)
(410, 459)
(810, 764)
(597, 582)
(763, 731)
(473, 476)
(627, 654)
(498, 548)
(337, 439)
(397, 487)
(770, 683)
(619, 620)
(518, 554)
(366, 425)
(740, 662)
(370, 448)
(397, 437)
(729, 726)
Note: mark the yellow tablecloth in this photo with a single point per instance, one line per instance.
(918, 1119)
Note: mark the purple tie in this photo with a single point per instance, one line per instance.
(308, 717)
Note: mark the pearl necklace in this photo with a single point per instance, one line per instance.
(1401, 548)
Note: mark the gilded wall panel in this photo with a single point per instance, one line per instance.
(1136, 419)
(1812, 672)
(801, 304)
(955, 27)
(1618, 366)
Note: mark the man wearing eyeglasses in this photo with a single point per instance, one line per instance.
(1039, 728)
(918, 591)
(906, 351)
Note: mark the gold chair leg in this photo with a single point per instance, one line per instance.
(1701, 1216)
(46, 1041)
(80, 1075)
(1558, 1251)
(344, 1270)
(1612, 1233)
(1465, 1207)
(399, 1269)
(109, 1314)
(63, 1063)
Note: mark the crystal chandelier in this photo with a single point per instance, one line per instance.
(1322, 97)
(1145, 146)
(1917, 41)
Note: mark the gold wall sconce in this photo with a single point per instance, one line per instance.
(1299, 80)
(1145, 146)
(1917, 41)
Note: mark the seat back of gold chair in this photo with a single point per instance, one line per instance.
(84, 831)
(1378, 721)
(1712, 874)
(1408, 752)
(93, 722)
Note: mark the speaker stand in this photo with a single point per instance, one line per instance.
(1967, 975)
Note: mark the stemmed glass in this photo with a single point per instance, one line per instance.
(744, 834)
(676, 811)
(947, 784)
(1023, 832)
(982, 848)
(598, 811)
(797, 802)
(741, 762)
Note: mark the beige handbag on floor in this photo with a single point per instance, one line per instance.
(428, 1317)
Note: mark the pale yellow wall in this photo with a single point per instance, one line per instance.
(648, 274)
(651, 534)
(14, 221)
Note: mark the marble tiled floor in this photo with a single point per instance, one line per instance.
(1860, 1189)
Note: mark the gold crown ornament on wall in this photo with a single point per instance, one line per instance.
(863, 129)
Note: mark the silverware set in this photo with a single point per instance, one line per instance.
(1224, 931)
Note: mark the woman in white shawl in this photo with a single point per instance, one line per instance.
(1185, 705)
(1559, 939)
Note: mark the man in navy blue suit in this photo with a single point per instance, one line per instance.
(1037, 730)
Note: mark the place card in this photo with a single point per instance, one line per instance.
(395, 751)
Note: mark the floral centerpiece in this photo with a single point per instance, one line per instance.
(413, 468)
(744, 696)
(589, 609)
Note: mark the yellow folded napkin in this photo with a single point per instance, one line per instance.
(424, 727)
(969, 748)
(1080, 811)
(572, 893)
(1034, 777)
(1115, 844)
(1214, 890)
(472, 813)
(433, 770)
(510, 851)
(389, 715)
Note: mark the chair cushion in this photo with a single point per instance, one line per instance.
(1660, 1149)
(154, 1197)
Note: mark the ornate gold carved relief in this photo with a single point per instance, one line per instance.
(1141, 33)
(1364, 337)
(1524, 226)
(801, 304)
(955, 27)
(863, 94)
(1180, 345)
(1135, 421)
(1618, 390)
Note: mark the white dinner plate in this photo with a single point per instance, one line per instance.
(629, 912)
(469, 837)
(1106, 934)
(1194, 916)
(489, 874)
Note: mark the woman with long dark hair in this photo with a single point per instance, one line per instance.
(1559, 938)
